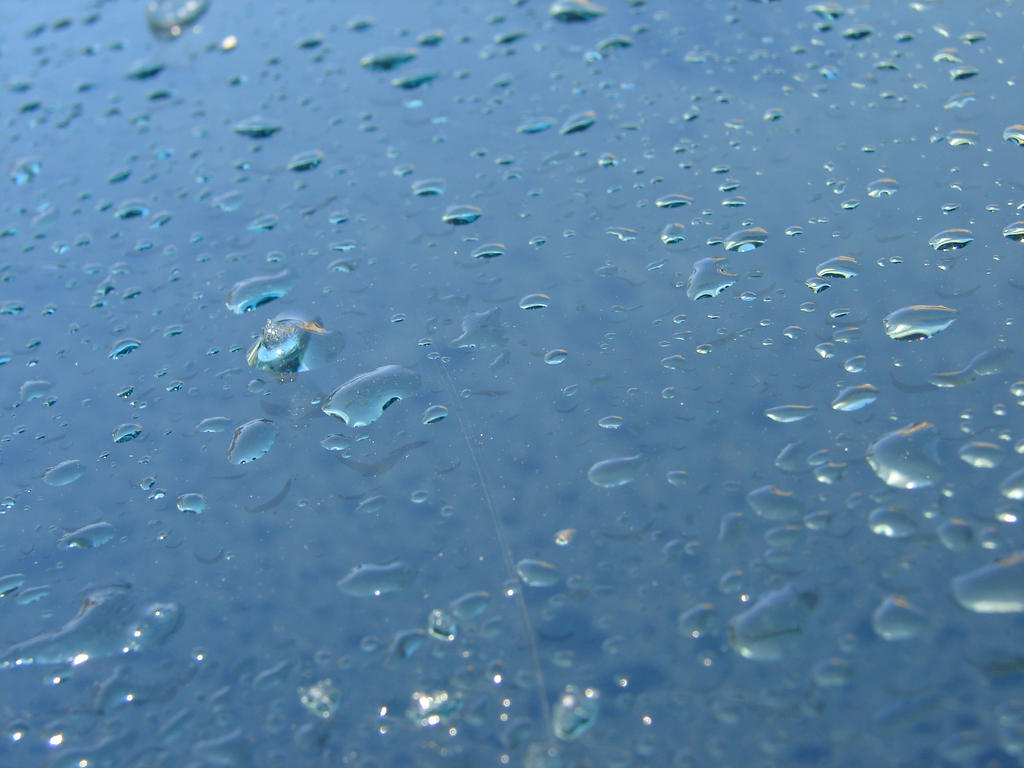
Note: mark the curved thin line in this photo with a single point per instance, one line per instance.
(499, 532)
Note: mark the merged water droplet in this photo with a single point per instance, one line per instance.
(708, 278)
(361, 400)
(107, 625)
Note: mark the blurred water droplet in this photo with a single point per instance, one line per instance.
(774, 626)
(87, 537)
(372, 580)
(907, 458)
(994, 588)
(537, 573)
(612, 473)
(575, 712)
(64, 473)
(169, 18)
(897, 619)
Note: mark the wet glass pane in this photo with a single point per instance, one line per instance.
(515, 382)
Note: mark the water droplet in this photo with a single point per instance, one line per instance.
(839, 267)
(461, 214)
(488, 251)
(576, 711)
(773, 503)
(362, 400)
(673, 201)
(907, 457)
(87, 537)
(64, 473)
(535, 301)
(897, 619)
(612, 473)
(372, 580)
(773, 627)
(428, 187)
(287, 345)
(855, 398)
(481, 330)
(745, 240)
(387, 59)
(575, 10)
(434, 414)
(786, 414)
(123, 347)
(956, 535)
(192, 503)
(832, 673)
(251, 441)
(1014, 231)
(256, 127)
(951, 239)
(254, 292)
(994, 588)
(305, 161)
(1014, 134)
(322, 698)
(10, 583)
(214, 424)
(673, 233)
(537, 573)
(169, 18)
(883, 188)
(535, 125)
(578, 122)
(982, 455)
(708, 278)
(919, 321)
(1013, 486)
